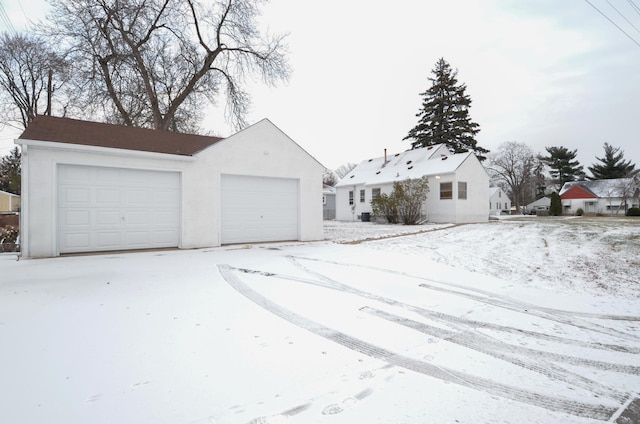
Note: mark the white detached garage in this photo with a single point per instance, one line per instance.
(91, 187)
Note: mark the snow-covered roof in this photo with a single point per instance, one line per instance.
(543, 201)
(601, 188)
(416, 163)
(327, 189)
(9, 194)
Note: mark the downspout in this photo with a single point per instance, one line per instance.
(353, 207)
(24, 205)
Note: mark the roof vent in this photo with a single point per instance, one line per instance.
(370, 160)
(445, 157)
(377, 172)
(352, 176)
(409, 162)
(411, 167)
(430, 147)
(397, 154)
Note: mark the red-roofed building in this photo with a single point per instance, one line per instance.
(611, 196)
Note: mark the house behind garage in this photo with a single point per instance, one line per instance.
(458, 184)
(89, 187)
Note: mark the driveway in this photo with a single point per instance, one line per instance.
(306, 332)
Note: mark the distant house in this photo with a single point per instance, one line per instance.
(600, 196)
(9, 202)
(458, 184)
(328, 202)
(89, 186)
(542, 204)
(499, 202)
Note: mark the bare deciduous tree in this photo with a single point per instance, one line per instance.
(30, 74)
(514, 164)
(159, 63)
(343, 170)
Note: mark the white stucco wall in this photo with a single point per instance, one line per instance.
(260, 150)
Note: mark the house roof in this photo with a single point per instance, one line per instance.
(416, 163)
(9, 194)
(543, 201)
(599, 188)
(72, 131)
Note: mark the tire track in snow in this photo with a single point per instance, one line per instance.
(580, 409)
(328, 282)
(532, 360)
(494, 299)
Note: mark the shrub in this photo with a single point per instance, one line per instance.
(579, 212)
(404, 203)
(411, 196)
(8, 238)
(385, 206)
(633, 212)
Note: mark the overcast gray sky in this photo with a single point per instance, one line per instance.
(541, 72)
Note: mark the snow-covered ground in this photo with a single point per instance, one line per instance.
(525, 320)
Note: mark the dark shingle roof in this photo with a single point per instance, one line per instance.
(73, 131)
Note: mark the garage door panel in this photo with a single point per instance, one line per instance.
(112, 209)
(108, 240)
(107, 217)
(77, 240)
(76, 218)
(108, 197)
(79, 196)
(256, 209)
(165, 218)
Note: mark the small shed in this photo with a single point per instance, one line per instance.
(328, 202)
(9, 202)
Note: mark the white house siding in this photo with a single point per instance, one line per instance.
(498, 201)
(260, 150)
(474, 209)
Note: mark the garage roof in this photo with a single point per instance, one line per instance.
(73, 131)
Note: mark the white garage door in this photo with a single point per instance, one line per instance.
(256, 209)
(102, 209)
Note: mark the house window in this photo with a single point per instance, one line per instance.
(462, 190)
(361, 196)
(499, 193)
(446, 190)
(375, 192)
(351, 197)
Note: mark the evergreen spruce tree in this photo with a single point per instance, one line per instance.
(613, 165)
(563, 165)
(10, 172)
(555, 208)
(444, 116)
